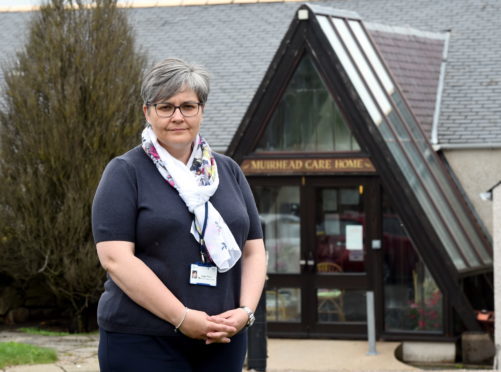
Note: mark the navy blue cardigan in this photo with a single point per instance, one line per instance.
(134, 203)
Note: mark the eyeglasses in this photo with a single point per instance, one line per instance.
(166, 110)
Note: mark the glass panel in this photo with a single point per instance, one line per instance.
(430, 187)
(350, 69)
(363, 66)
(343, 139)
(422, 196)
(447, 192)
(307, 118)
(341, 305)
(283, 305)
(278, 207)
(371, 55)
(339, 230)
(412, 299)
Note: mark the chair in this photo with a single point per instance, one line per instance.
(328, 267)
(330, 302)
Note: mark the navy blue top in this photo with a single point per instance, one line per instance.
(134, 203)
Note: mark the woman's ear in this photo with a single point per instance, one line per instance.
(146, 111)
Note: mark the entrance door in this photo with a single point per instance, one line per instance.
(317, 232)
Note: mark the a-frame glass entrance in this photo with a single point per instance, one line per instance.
(316, 227)
(328, 235)
(329, 119)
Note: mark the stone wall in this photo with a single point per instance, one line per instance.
(32, 302)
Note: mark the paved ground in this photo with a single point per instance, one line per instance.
(75, 353)
(79, 353)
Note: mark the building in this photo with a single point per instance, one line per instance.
(497, 246)
(367, 130)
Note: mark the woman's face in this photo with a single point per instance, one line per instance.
(175, 133)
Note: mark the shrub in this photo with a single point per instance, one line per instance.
(70, 104)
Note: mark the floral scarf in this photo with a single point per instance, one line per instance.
(196, 182)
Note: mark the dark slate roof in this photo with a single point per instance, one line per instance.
(414, 59)
(236, 43)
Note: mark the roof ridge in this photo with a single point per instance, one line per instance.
(331, 11)
(155, 4)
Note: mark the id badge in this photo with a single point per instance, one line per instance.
(203, 274)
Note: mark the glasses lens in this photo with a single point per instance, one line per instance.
(164, 109)
(189, 109)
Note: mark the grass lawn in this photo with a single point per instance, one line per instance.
(42, 332)
(14, 353)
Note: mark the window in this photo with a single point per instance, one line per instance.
(307, 118)
(279, 210)
(412, 300)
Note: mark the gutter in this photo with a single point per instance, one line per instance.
(466, 146)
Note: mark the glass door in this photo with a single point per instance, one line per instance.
(279, 205)
(316, 234)
(338, 245)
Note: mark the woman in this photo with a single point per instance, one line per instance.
(177, 230)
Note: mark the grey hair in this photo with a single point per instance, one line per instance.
(172, 76)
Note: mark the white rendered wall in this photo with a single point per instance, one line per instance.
(477, 170)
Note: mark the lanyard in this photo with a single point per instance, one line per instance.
(203, 248)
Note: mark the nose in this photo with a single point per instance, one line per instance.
(177, 114)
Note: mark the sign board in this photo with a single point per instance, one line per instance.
(301, 166)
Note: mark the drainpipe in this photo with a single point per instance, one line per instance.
(440, 89)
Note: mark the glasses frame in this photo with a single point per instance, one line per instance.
(175, 108)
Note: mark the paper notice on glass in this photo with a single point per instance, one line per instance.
(356, 255)
(354, 237)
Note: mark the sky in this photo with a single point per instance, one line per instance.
(26, 4)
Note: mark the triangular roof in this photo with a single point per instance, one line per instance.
(237, 42)
(445, 233)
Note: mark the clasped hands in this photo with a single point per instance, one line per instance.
(216, 328)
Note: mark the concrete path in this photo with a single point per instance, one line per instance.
(75, 353)
(331, 355)
(79, 353)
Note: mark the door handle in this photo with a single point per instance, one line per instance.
(308, 263)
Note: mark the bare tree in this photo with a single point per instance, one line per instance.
(70, 104)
